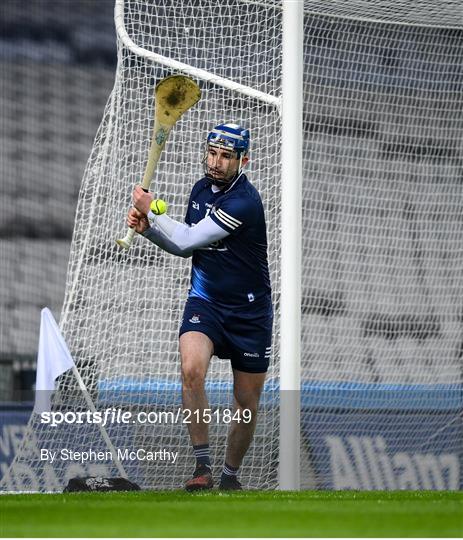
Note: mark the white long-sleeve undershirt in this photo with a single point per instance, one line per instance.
(180, 239)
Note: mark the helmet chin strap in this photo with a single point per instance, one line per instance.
(223, 183)
(218, 183)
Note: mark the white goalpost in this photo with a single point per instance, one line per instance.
(291, 241)
(355, 114)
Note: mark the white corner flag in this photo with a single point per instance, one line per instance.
(53, 359)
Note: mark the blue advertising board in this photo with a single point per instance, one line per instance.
(357, 436)
(13, 422)
(384, 437)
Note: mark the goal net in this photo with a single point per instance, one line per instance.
(382, 247)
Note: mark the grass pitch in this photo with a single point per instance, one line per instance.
(245, 514)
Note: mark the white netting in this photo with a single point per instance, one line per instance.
(122, 310)
(382, 252)
(382, 241)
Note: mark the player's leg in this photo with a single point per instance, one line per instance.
(196, 350)
(247, 388)
(248, 335)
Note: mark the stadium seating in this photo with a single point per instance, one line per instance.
(57, 73)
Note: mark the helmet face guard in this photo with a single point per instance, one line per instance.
(228, 137)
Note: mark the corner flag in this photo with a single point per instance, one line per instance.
(53, 359)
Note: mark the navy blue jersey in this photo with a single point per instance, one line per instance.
(232, 272)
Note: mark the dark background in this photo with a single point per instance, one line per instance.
(57, 62)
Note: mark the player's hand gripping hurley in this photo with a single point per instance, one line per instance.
(173, 96)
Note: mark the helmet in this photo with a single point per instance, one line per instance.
(230, 136)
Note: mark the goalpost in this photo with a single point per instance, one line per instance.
(354, 110)
(291, 241)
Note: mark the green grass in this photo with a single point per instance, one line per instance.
(271, 514)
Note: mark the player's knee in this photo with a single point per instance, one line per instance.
(248, 402)
(193, 376)
(247, 397)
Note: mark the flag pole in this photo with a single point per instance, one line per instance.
(103, 431)
(53, 360)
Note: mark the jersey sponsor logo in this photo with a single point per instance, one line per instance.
(195, 319)
(252, 355)
(214, 246)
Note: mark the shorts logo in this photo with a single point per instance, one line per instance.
(195, 319)
(251, 354)
(251, 297)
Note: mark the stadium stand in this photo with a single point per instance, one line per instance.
(57, 72)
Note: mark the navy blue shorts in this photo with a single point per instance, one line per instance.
(244, 336)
